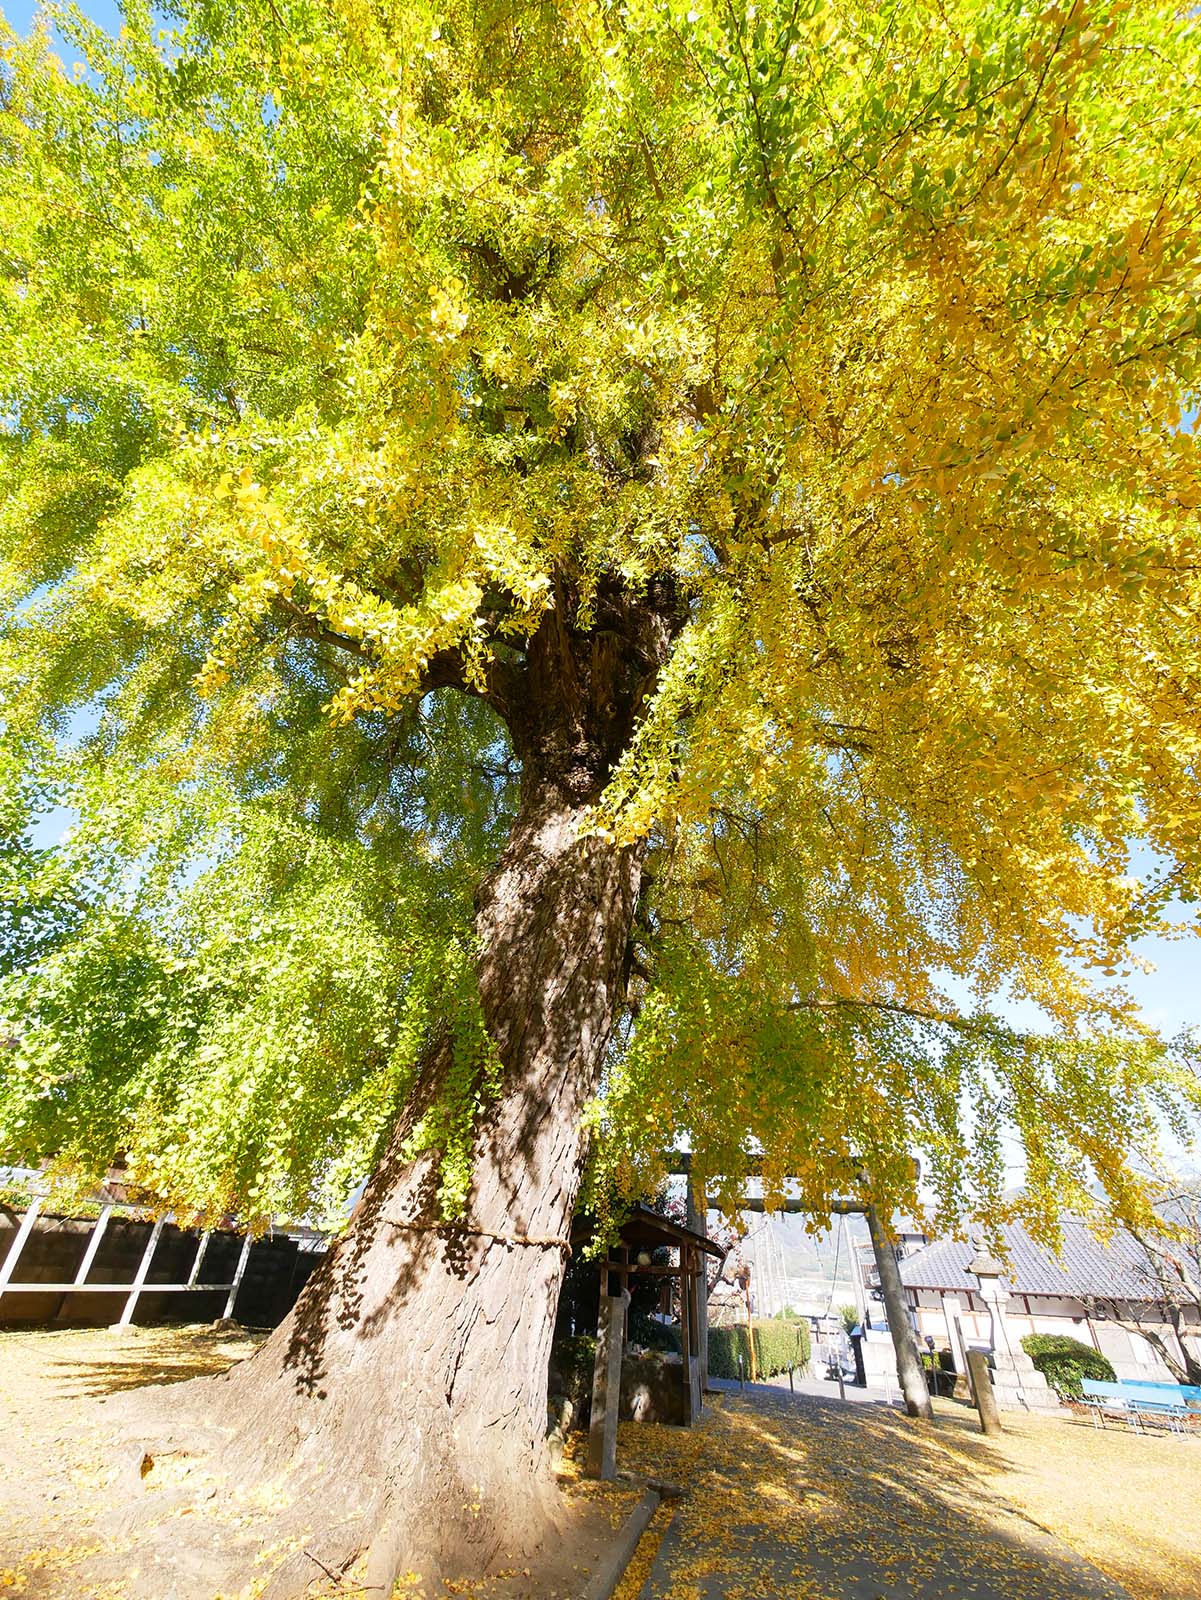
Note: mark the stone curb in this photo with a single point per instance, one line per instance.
(609, 1574)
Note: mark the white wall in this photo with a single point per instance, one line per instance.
(1130, 1354)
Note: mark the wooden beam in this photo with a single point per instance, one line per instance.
(89, 1255)
(18, 1244)
(135, 1290)
(239, 1272)
(697, 1218)
(655, 1270)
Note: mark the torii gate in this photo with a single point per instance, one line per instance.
(909, 1366)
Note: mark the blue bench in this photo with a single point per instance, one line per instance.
(1139, 1401)
(1190, 1393)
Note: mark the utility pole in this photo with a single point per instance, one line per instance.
(857, 1291)
(782, 1272)
(904, 1340)
(770, 1294)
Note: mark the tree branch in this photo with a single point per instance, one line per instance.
(310, 626)
(444, 670)
(844, 1002)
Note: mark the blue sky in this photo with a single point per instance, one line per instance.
(19, 13)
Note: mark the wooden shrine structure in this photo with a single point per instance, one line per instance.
(642, 1234)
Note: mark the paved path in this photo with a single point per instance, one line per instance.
(808, 1498)
(817, 1388)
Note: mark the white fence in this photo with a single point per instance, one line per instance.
(132, 1291)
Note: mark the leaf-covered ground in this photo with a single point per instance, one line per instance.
(812, 1500)
(65, 1477)
(1127, 1502)
(803, 1499)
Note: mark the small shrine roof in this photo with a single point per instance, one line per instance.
(645, 1229)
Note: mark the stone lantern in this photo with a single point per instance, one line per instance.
(1018, 1384)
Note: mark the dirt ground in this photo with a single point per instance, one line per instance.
(61, 1473)
(1126, 1503)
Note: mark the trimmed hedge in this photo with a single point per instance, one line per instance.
(1066, 1362)
(777, 1342)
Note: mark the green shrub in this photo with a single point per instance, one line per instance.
(777, 1343)
(725, 1346)
(780, 1344)
(1066, 1362)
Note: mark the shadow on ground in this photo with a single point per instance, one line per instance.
(811, 1499)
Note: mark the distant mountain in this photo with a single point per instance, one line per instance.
(791, 1267)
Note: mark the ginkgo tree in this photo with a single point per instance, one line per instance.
(618, 556)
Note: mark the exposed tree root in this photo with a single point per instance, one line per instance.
(193, 1524)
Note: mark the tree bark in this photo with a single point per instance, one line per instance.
(402, 1404)
(1185, 1366)
(909, 1365)
(1191, 1366)
(1172, 1274)
(413, 1369)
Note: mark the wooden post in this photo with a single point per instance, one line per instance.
(982, 1391)
(698, 1220)
(950, 1311)
(606, 1384)
(686, 1333)
(696, 1262)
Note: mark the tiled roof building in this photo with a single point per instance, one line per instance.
(1115, 1268)
(1100, 1291)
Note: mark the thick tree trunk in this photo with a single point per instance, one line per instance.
(402, 1404)
(408, 1385)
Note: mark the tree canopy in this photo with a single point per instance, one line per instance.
(344, 346)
